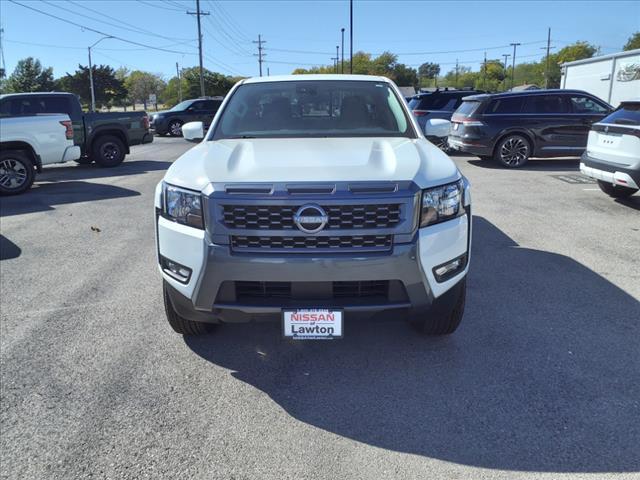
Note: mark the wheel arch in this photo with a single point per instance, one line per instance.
(109, 130)
(24, 146)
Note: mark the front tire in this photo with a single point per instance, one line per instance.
(616, 191)
(175, 128)
(17, 172)
(513, 151)
(108, 151)
(179, 324)
(445, 314)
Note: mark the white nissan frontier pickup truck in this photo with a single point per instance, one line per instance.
(313, 200)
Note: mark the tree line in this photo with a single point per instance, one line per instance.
(493, 75)
(115, 88)
(122, 87)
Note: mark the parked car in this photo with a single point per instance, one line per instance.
(438, 104)
(511, 127)
(286, 210)
(613, 151)
(195, 110)
(29, 142)
(102, 137)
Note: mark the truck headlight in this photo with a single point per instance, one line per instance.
(183, 206)
(441, 203)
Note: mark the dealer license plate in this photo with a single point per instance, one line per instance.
(312, 324)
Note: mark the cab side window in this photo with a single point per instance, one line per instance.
(582, 104)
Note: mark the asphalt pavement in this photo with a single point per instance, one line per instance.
(542, 379)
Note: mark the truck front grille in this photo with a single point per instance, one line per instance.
(280, 217)
(304, 244)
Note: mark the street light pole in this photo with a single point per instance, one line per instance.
(342, 67)
(337, 56)
(351, 36)
(93, 94)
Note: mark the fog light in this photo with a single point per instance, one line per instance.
(450, 269)
(175, 270)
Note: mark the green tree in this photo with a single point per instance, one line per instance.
(141, 85)
(214, 84)
(633, 42)
(29, 76)
(109, 90)
(386, 64)
(429, 71)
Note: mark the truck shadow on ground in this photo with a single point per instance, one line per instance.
(536, 164)
(73, 171)
(8, 249)
(543, 374)
(44, 196)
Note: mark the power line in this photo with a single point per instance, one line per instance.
(140, 30)
(98, 31)
(228, 20)
(156, 5)
(225, 46)
(236, 44)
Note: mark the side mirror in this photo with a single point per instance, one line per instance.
(437, 127)
(193, 131)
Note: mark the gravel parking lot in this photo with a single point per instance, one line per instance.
(542, 380)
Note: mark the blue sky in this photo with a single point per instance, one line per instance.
(303, 33)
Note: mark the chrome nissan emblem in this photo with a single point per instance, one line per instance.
(310, 218)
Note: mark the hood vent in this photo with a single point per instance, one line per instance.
(249, 189)
(302, 189)
(373, 188)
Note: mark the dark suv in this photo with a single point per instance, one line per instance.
(511, 127)
(196, 110)
(437, 104)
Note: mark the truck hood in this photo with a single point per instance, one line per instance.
(312, 160)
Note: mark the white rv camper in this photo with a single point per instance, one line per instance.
(614, 78)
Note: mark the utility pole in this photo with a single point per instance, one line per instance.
(337, 56)
(456, 85)
(342, 66)
(513, 64)
(546, 68)
(260, 55)
(3, 66)
(506, 56)
(268, 74)
(484, 71)
(93, 93)
(179, 82)
(199, 14)
(351, 36)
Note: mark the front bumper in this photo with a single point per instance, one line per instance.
(614, 173)
(212, 265)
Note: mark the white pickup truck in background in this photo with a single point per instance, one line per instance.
(29, 142)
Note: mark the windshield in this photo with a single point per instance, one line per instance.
(325, 108)
(181, 106)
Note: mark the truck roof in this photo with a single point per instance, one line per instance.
(523, 93)
(7, 95)
(316, 77)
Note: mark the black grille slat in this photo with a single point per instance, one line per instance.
(247, 290)
(263, 289)
(361, 289)
(280, 217)
(307, 243)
